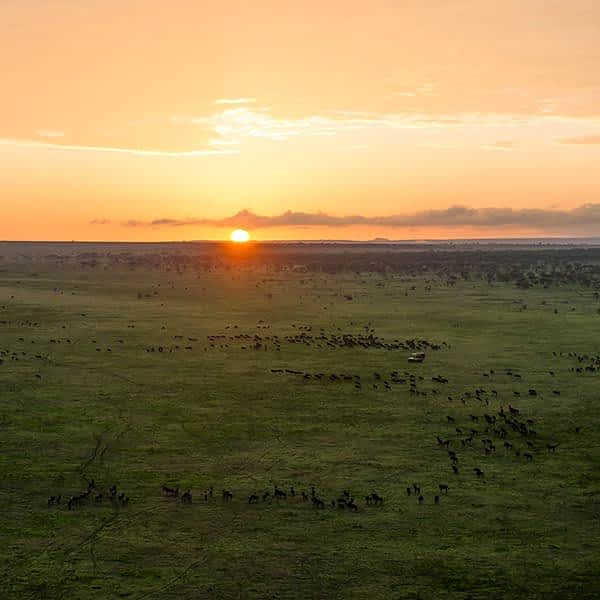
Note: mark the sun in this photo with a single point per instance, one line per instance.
(239, 236)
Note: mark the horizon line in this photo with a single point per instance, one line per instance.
(378, 240)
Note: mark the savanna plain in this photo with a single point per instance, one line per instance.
(219, 421)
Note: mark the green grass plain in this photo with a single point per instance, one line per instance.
(218, 416)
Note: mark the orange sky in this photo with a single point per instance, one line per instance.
(156, 120)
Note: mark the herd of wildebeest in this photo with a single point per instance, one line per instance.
(494, 426)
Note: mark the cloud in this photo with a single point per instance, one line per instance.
(587, 215)
(49, 133)
(501, 145)
(235, 101)
(24, 143)
(582, 140)
(233, 125)
(100, 222)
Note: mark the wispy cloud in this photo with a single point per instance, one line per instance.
(500, 145)
(50, 133)
(581, 140)
(24, 143)
(586, 215)
(100, 222)
(235, 101)
(233, 125)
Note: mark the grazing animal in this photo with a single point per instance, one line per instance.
(443, 488)
(227, 495)
(167, 491)
(527, 455)
(455, 469)
(317, 503)
(552, 447)
(478, 472)
(54, 500)
(351, 505)
(376, 499)
(436, 500)
(421, 499)
(75, 501)
(253, 499)
(186, 497)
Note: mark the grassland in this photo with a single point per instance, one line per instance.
(83, 396)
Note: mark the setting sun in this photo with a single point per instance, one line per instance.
(239, 236)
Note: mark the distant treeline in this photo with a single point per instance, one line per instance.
(521, 264)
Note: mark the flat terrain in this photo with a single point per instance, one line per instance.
(145, 369)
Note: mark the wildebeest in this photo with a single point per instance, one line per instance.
(167, 491)
(443, 488)
(376, 499)
(317, 503)
(186, 497)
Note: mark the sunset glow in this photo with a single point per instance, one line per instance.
(312, 120)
